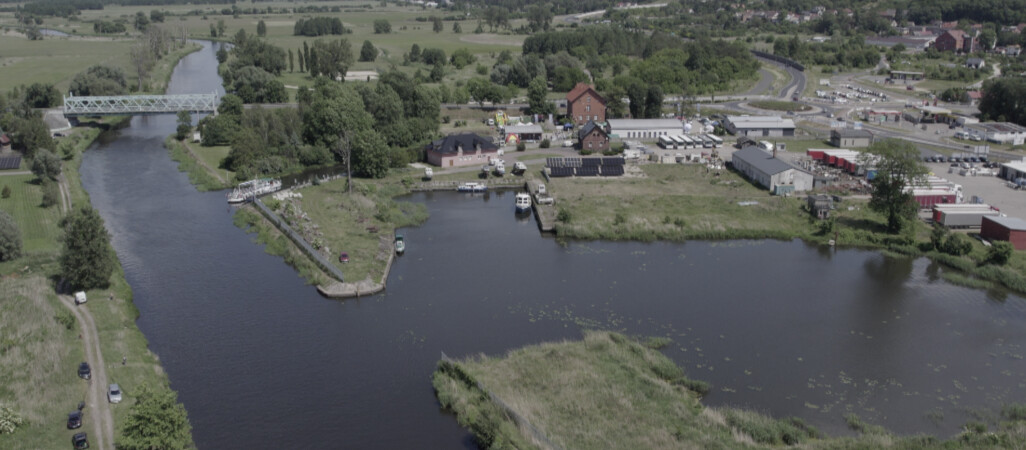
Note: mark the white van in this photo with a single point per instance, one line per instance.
(80, 297)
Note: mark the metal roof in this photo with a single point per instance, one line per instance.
(532, 129)
(644, 124)
(998, 127)
(1012, 223)
(1016, 165)
(747, 122)
(762, 161)
(848, 133)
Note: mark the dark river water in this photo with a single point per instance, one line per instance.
(260, 360)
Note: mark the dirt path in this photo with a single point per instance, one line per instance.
(62, 184)
(99, 414)
(20, 172)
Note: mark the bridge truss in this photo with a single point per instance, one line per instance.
(139, 104)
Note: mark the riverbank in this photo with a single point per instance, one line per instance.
(42, 390)
(608, 391)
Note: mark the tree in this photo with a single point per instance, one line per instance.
(382, 26)
(141, 21)
(184, 125)
(332, 59)
(1000, 252)
(231, 105)
(302, 60)
(87, 261)
(462, 58)
(46, 165)
(10, 237)
(536, 93)
(368, 53)
(456, 28)
(220, 28)
(957, 244)
(156, 421)
(40, 95)
(143, 60)
(414, 54)
(292, 65)
(213, 30)
(897, 166)
(654, 102)
(436, 24)
(539, 18)
(222, 55)
(1002, 98)
(261, 29)
(156, 16)
(99, 80)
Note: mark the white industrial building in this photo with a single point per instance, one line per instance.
(773, 174)
(644, 128)
(999, 132)
(1013, 171)
(759, 126)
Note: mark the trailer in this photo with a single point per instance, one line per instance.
(968, 215)
(929, 197)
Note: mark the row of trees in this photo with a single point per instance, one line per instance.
(847, 53)
(319, 26)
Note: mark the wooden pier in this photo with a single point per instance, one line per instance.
(545, 214)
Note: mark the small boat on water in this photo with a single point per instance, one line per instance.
(250, 190)
(400, 244)
(523, 202)
(472, 187)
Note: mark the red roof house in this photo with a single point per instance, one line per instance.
(583, 103)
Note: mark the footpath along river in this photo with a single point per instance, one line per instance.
(261, 361)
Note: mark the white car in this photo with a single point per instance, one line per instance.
(114, 393)
(568, 143)
(80, 297)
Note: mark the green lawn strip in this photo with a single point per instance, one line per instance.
(39, 359)
(38, 225)
(199, 176)
(779, 105)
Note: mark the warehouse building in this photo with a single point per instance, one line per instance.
(851, 138)
(644, 128)
(773, 174)
(759, 126)
(999, 132)
(1005, 229)
(1013, 171)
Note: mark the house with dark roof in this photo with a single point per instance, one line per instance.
(592, 138)
(765, 169)
(975, 63)
(455, 150)
(850, 138)
(583, 103)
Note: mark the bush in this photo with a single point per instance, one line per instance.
(9, 420)
(6, 193)
(51, 194)
(521, 146)
(957, 244)
(65, 318)
(545, 143)
(564, 215)
(10, 238)
(1000, 252)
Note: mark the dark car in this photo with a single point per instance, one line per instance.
(84, 372)
(74, 420)
(80, 441)
(343, 258)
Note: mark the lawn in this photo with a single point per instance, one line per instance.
(780, 105)
(38, 225)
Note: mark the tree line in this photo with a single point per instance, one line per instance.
(319, 26)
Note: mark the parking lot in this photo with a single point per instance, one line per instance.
(993, 190)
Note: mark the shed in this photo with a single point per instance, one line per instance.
(773, 174)
(820, 205)
(851, 138)
(1005, 229)
(523, 132)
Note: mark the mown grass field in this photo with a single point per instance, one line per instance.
(38, 225)
(608, 391)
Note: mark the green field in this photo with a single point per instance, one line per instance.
(780, 105)
(38, 225)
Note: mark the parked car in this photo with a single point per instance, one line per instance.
(114, 393)
(80, 297)
(80, 441)
(74, 420)
(343, 258)
(84, 372)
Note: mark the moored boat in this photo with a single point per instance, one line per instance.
(250, 190)
(400, 244)
(523, 202)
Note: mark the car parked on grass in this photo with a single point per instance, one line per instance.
(74, 420)
(80, 441)
(343, 257)
(84, 372)
(114, 393)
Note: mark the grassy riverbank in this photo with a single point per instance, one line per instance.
(40, 346)
(607, 391)
(195, 161)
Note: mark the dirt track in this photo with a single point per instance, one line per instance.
(99, 412)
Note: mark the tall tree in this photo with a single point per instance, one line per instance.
(156, 421)
(87, 260)
(897, 166)
(536, 93)
(382, 26)
(261, 29)
(654, 102)
(539, 17)
(436, 24)
(302, 60)
(46, 165)
(368, 53)
(143, 60)
(10, 237)
(292, 65)
(456, 28)
(220, 28)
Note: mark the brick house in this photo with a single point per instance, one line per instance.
(593, 138)
(584, 104)
(955, 41)
(457, 150)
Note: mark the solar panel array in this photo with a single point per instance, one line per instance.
(10, 162)
(585, 167)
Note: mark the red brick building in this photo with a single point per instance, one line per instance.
(584, 104)
(955, 41)
(593, 138)
(996, 228)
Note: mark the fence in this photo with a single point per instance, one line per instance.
(779, 59)
(521, 422)
(316, 256)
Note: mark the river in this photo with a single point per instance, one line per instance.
(261, 360)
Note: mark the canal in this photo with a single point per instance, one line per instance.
(261, 360)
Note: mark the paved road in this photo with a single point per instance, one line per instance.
(765, 82)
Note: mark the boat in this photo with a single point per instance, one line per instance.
(250, 190)
(400, 244)
(519, 167)
(500, 169)
(428, 173)
(523, 202)
(472, 187)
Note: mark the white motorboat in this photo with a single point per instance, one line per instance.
(523, 202)
(250, 190)
(471, 187)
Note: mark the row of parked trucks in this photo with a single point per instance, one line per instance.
(685, 141)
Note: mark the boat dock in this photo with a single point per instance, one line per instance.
(491, 183)
(544, 213)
